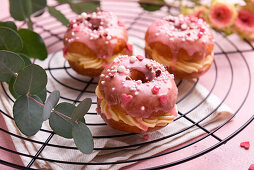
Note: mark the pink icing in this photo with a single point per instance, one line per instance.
(100, 31)
(181, 33)
(144, 103)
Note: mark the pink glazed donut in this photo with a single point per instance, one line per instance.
(136, 94)
(93, 40)
(183, 43)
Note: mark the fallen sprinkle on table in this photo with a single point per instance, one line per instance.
(245, 145)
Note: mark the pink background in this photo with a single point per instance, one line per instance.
(229, 156)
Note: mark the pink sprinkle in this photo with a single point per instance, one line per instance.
(64, 51)
(76, 29)
(164, 99)
(103, 56)
(200, 35)
(245, 145)
(251, 167)
(155, 89)
(146, 137)
(73, 21)
(126, 98)
(202, 29)
(140, 57)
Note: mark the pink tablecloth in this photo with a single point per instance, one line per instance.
(229, 156)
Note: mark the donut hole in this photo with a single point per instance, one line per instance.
(138, 75)
(96, 23)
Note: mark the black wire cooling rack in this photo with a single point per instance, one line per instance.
(137, 21)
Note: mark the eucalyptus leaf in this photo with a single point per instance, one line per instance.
(151, 7)
(20, 9)
(9, 24)
(34, 46)
(59, 124)
(25, 58)
(50, 103)
(58, 15)
(83, 138)
(10, 40)
(27, 114)
(11, 87)
(81, 109)
(31, 80)
(84, 7)
(43, 95)
(10, 64)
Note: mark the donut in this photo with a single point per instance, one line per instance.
(136, 94)
(183, 43)
(93, 40)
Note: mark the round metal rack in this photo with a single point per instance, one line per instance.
(137, 21)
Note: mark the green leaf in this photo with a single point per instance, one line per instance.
(84, 7)
(20, 9)
(10, 64)
(81, 109)
(43, 95)
(83, 138)
(28, 114)
(9, 24)
(34, 46)
(10, 40)
(58, 15)
(60, 124)
(11, 87)
(26, 59)
(151, 7)
(50, 103)
(62, 1)
(31, 80)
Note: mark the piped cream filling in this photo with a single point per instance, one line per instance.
(187, 67)
(141, 123)
(89, 61)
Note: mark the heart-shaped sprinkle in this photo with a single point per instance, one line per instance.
(164, 99)
(126, 98)
(76, 29)
(64, 51)
(245, 145)
(155, 89)
(140, 57)
(251, 167)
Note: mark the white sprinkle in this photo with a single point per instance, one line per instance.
(113, 89)
(102, 82)
(94, 31)
(142, 108)
(101, 22)
(107, 77)
(84, 14)
(89, 24)
(91, 38)
(108, 70)
(136, 93)
(106, 42)
(184, 26)
(121, 69)
(72, 33)
(109, 37)
(139, 81)
(75, 25)
(157, 34)
(102, 75)
(133, 59)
